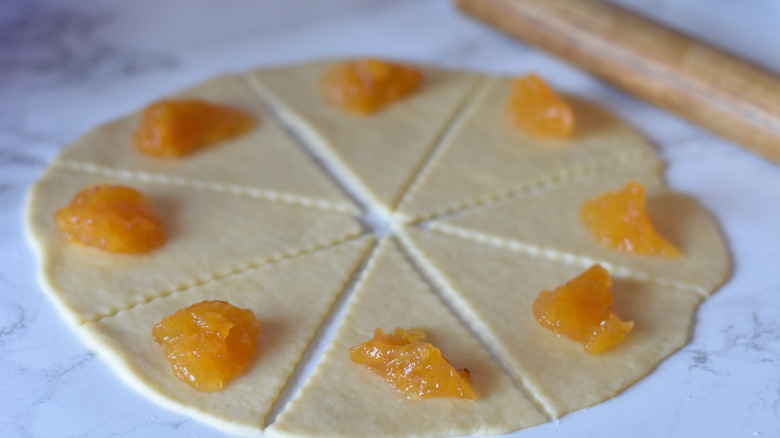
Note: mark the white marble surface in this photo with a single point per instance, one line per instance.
(67, 65)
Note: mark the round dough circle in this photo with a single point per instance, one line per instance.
(434, 212)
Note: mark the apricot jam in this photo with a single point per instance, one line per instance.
(172, 128)
(367, 85)
(580, 310)
(113, 218)
(416, 368)
(618, 220)
(537, 110)
(208, 343)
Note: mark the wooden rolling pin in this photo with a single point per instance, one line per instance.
(717, 91)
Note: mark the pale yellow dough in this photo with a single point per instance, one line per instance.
(386, 152)
(472, 220)
(390, 295)
(210, 235)
(275, 293)
(498, 287)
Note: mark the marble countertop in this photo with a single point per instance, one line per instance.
(68, 65)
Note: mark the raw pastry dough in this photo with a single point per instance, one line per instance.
(384, 151)
(493, 283)
(339, 392)
(275, 293)
(474, 219)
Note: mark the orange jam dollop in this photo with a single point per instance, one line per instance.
(580, 310)
(172, 128)
(367, 85)
(114, 218)
(618, 220)
(208, 343)
(414, 367)
(537, 110)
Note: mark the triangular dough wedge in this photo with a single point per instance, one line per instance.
(496, 288)
(488, 157)
(385, 150)
(265, 159)
(393, 295)
(547, 224)
(210, 235)
(276, 294)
